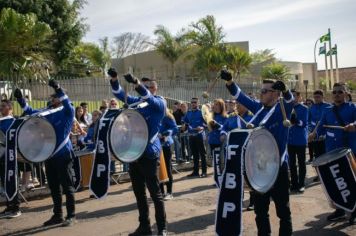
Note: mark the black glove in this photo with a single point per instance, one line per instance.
(225, 75)
(293, 119)
(130, 79)
(112, 73)
(54, 84)
(18, 93)
(280, 86)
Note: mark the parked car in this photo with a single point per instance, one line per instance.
(6, 90)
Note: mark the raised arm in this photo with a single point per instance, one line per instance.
(67, 106)
(24, 105)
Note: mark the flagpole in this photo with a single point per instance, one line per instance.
(326, 70)
(331, 62)
(337, 65)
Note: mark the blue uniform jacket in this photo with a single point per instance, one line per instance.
(315, 112)
(168, 128)
(62, 122)
(153, 114)
(194, 119)
(337, 138)
(275, 122)
(298, 133)
(5, 123)
(214, 135)
(89, 138)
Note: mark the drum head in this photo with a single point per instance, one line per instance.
(36, 139)
(262, 160)
(331, 156)
(2, 144)
(128, 136)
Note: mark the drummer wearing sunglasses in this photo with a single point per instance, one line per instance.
(144, 171)
(342, 114)
(268, 113)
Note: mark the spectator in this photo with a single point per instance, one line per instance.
(89, 139)
(87, 115)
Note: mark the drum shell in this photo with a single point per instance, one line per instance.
(128, 124)
(86, 159)
(331, 157)
(45, 130)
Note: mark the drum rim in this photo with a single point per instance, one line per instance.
(266, 189)
(109, 134)
(322, 160)
(19, 128)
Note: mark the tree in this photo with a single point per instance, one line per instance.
(210, 61)
(63, 16)
(237, 59)
(130, 43)
(23, 43)
(263, 56)
(169, 46)
(275, 71)
(104, 47)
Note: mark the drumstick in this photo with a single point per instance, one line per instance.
(212, 85)
(333, 126)
(248, 125)
(286, 122)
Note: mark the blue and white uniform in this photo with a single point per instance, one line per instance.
(315, 113)
(5, 123)
(168, 128)
(194, 119)
(62, 122)
(337, 138)
(234, 121)
(153, 113)
(214, 135)
(298, 133)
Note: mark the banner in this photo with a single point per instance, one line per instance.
(228, 219)
(100, 176)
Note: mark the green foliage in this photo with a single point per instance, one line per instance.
(63, 16)
(323, 83)
(275, 71)
(263, 56)
(237, 59)
(23, 43)
(171, 47)
(351, 85)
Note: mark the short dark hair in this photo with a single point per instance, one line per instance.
(268, 81)
(195, 98)
(8, 103)
(296, 92)
(83, 104)
(340, 84)
(319, 92)
(146, 79)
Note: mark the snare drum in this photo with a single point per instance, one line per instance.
(86, 164)
(128, 136)
(261, 158)
(36, 140)
(337, 172)
(2, 144)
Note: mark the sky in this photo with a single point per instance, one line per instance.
(290, 28)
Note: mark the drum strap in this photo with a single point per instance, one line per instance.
(65, 141)
(266, 117)
(341, 122)
(11, 159)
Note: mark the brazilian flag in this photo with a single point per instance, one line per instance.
(332, 51)
(325, 37)
(322, 50)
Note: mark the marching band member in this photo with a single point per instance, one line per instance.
(268, 114)
(340, 113)
(297, 142)
(12, 209)
(219, 117)
(196, 124)
(315, 112)
(144, 171)
(167, 130)
(59, 165)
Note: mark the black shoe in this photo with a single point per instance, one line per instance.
(336, 215)
(162, 233)
(142, 230)
(250, 207)
(54, 221)
(193, 175)
(70, 221)
(14, 214)
(204, 175)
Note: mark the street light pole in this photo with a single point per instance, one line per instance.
(305, 82)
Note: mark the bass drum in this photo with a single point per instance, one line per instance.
(261, 160)
(36, 140)
(128, 136)
(2, 144)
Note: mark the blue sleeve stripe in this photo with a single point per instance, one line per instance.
(237, 93)
(26, 107)
(117, 91)
(147, 95)
(223, 133)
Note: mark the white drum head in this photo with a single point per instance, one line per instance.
(262, 160)
(128, 136)
(36, 139)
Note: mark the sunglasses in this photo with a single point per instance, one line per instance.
(338, 92)
(264, 91)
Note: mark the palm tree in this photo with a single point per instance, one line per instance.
(275, 71)
(171, 47)
(24, 43)
(237, 59)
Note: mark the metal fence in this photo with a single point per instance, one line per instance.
(94, 90)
